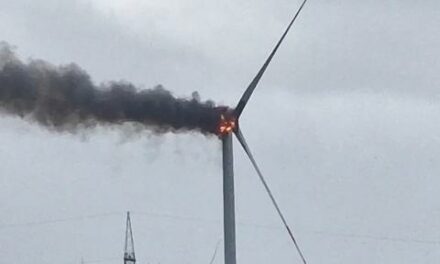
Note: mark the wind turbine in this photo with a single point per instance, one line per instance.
(229, 125)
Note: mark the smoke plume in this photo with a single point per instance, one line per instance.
(64, 98)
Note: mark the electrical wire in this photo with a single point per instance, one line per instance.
(60, 220)
(215, 251)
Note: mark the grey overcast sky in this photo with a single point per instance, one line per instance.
(344, 124)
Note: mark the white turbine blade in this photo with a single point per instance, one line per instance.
(247, 94)
(245, 146)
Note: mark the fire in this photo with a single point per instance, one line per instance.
(226, 126)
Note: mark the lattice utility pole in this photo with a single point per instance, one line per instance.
(129, 257)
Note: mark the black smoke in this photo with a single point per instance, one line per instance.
(63, 98)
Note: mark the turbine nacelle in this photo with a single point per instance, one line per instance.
(228, 121)
(227, 125)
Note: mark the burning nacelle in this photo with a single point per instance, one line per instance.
(228, 122)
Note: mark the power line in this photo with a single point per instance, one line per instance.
(59, 220)
(379, 238)
(103, 260)
(216, 221)
(215, 251)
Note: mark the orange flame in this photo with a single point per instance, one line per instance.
(226, 126)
